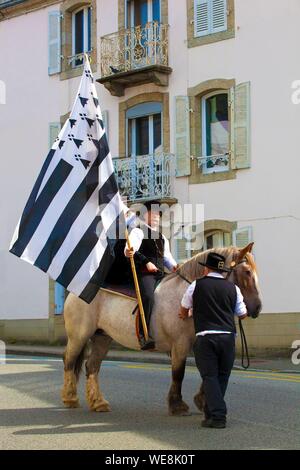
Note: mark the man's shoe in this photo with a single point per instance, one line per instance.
(213, 423)
(146, 345)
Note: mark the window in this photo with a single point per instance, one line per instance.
(216, 239)
(141, 12)
(210, 16)
(215, 133)
(144, 129)
(81, 33)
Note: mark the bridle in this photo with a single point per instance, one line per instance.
(245, 352)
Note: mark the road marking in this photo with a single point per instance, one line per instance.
(247, 375)
(277, 376)
(265, 377)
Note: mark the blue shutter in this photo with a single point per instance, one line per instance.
(201, 17)
(218, 16)
(54, 42)
(59, 298)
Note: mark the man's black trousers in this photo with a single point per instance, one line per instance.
(214, 355)
(147, 284)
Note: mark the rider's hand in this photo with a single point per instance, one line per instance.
(129, 253)
(151, 267)
(174, 269)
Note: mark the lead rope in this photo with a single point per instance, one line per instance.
(244, 346)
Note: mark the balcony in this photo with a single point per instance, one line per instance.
(145, 177)
(135, 56)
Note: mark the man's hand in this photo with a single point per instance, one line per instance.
(151, 267)
(174, 269)
(129, 253)
(241, 317)
(184, 313)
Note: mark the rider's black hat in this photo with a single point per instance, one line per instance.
(216, 262)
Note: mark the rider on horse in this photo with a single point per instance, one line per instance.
(151, 251)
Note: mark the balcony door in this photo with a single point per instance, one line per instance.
(143, 36)
(141, 12)
(145, 135)
(144, 146)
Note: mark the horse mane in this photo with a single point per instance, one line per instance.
(250, 260)
(191, 269)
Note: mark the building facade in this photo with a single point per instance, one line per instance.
(197, 101)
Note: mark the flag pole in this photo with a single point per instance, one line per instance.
(137, 289)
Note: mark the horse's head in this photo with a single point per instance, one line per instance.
(244, 275)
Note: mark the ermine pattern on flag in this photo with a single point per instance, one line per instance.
(74, 205)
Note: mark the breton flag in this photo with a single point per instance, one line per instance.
(67, 228)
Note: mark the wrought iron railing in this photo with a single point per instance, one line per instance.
(145, 176)
(218, 162)
(77, 60)
(134, 48)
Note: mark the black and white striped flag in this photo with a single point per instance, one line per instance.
(67, 226)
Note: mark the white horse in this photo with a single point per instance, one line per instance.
(110, 317)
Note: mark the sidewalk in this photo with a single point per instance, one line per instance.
(283, 365)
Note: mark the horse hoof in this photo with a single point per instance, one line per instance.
(102, 407)
(179, 413)
(71, 403)
(182, 409)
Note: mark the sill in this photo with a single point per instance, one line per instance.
(211, 38)
(198, 177)
(212, 172)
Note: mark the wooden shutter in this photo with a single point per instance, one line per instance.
(182, 146)
(201, 17)
(218, 16)
(54, 128)
(242, 237)
(59, 298)
(106, 123)
(240, 126)
(183, 251)
(54, 42)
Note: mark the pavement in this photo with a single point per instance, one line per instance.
(263, 410)
(268, 364)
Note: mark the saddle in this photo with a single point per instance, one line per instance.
(122, 289)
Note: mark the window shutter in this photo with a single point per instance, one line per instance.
(201, 17)
(59, 298)
(219, 16)
(183, 250)
(106, 123)
(240, 126)
(242, 237)
(182, 146)
(54, 42)
(54, 128)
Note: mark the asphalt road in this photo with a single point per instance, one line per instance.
(264, 410)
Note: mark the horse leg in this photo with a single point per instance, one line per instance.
(199, 399)
(177, 407)
(73, 358)
(100, 345)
